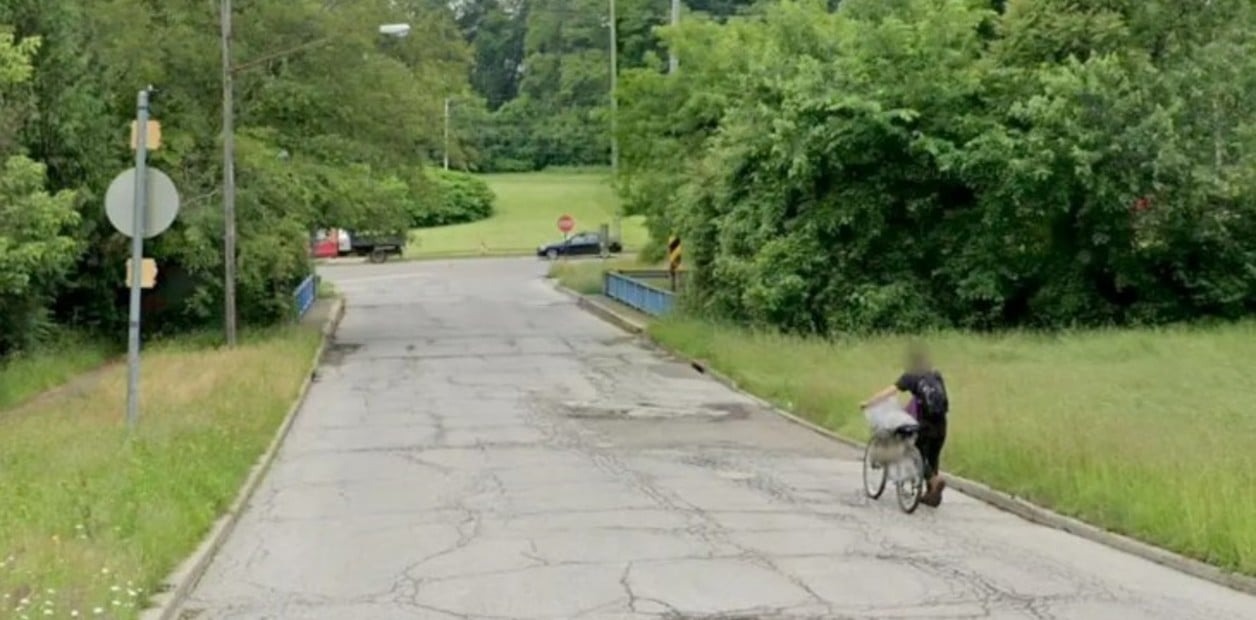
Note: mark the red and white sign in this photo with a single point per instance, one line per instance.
(566, 223)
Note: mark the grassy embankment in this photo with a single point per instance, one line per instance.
(1146, 432)
(28, 375)
(91, 522)
(528, 208)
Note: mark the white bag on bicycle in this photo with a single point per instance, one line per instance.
(886, 416)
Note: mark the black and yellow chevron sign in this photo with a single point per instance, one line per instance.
(673, 252)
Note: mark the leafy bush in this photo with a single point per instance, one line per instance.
(922, 163)
(449, 197)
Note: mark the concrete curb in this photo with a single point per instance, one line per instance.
(976, 490)
(179, 584)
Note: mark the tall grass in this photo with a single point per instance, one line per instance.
(1145, 432)
(28, 374)
(90, 523)
(585, 276)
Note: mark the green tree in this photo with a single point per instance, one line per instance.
(37, 246)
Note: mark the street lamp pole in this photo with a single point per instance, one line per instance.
(228, 180)
(672, 62)
(614, 98)
(446, 133)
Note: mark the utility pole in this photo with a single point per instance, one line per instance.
(228, 181)
(672, 61)
(614, 98)
(446, 133)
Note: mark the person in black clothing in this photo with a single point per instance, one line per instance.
(930, 406)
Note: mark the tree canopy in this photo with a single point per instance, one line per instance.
(542, 76)
(333, 122)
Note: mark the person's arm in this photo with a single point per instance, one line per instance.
(879, 396)
(903, 384)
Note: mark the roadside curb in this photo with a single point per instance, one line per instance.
(179, 584)
(976, 490)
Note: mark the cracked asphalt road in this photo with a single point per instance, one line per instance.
(476, 446)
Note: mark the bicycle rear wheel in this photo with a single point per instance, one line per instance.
(911, 487)
(874, 474)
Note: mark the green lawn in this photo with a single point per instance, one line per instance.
(91, 523)
(528, 208)
(1144, 432)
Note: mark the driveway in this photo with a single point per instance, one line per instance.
(476, 446)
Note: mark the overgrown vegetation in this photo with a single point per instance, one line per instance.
(1139, 431)
(453, 198)
(91, 523)
(330, 116)
(921, 163)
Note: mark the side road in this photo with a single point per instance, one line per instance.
(477, 446)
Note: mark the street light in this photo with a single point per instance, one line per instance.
(228, 155)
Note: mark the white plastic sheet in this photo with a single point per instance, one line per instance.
(886, 416)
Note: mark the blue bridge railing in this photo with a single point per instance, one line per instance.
(305, 295)
(638, 295)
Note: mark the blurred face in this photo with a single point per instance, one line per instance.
(917, 358)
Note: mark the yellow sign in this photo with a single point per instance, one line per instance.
(148, 273)
(152, 136)
(674, 252)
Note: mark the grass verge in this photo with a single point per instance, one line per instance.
(92, 523)
(28, 375)
(584, 276)
(526, 215)
(1143, 432)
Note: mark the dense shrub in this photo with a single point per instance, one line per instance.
(932, 162)
(450, 197)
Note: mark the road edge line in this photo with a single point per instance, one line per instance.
(180, 583)
(1004, 501)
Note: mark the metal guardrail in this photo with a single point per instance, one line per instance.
(620, 286)
(305, 295)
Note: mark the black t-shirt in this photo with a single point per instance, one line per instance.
(910, 382)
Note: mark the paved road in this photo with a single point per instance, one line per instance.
(478, 447)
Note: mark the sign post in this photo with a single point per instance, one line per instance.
(137, 256)
(141, 203)
(673, 258)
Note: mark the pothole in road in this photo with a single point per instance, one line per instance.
(335, 354)
(714, 412)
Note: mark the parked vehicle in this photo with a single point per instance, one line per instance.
(330, 243)
(377, 246)
(579, 244)
(323, 244)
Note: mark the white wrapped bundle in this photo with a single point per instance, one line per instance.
(886, 416)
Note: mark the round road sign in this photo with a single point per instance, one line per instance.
(566, 223)
(162, 207)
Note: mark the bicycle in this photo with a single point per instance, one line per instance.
(892, 453)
